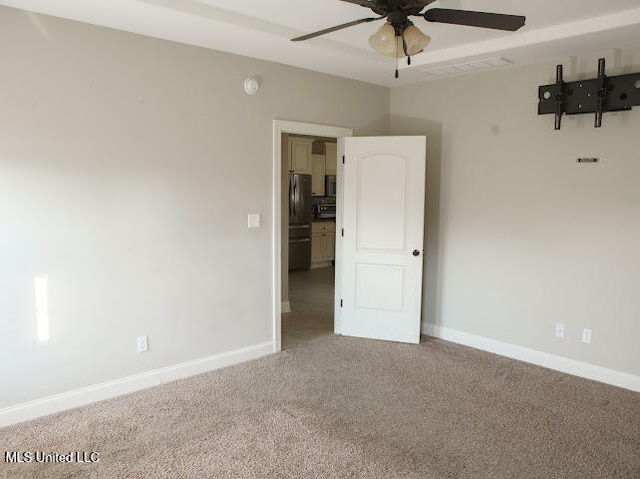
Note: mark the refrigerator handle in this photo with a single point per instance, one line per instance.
(300, 240)
(295, 195)
(291, 198)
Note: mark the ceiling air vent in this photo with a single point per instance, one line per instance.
(468, 67)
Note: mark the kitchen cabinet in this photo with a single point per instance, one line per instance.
(300, 155)
(331, 158)
(318, 172)
(323, 242)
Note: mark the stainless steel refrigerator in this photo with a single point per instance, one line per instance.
(300, 217)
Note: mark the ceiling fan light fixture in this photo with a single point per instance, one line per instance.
(384, 41)
(416, 40)
(396, 50)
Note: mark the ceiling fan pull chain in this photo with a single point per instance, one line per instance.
(397, 56)
(404, 47)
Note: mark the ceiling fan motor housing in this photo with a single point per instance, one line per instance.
(410, 7)
(399, 21)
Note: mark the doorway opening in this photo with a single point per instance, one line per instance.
(311, 296)
(311, 166)
(304, 299)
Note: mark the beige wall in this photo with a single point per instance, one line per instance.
(128, 166)
(519, 235)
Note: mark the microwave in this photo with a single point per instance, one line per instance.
(330, 188)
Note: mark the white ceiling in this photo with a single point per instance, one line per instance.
(554, 29)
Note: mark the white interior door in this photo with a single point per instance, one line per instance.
(382, 246)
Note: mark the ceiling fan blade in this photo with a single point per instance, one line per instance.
(362, 3)
(497, 21)
(334, 29)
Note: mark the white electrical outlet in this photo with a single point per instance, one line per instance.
(586, 336)
(253, 220)
(559, 330)
(143, 344)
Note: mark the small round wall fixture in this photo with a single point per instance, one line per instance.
(251, 86)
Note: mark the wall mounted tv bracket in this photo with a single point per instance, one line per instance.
(618, 93)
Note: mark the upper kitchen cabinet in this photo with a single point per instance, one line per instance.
(331, 158)
(318, 172)
(300, 155)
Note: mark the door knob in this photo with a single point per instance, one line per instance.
(416, 252)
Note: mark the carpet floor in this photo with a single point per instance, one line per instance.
(339, 407)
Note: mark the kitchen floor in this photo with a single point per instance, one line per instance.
(311, 298)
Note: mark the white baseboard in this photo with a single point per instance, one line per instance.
(98, 392)
(286, 307)
(551, 361)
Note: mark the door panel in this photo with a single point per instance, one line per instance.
(379, 287)
(381, 211)
(383, 218)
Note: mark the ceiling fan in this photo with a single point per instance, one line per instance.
(399, 37)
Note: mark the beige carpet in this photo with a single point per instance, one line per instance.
(350, 408)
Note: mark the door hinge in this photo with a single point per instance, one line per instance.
(343, 159)
(342, 232)
(341, 303)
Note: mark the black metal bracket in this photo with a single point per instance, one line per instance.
(598, 95)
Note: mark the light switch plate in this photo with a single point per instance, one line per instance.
(254, 220)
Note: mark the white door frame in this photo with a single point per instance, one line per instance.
(295, 128)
